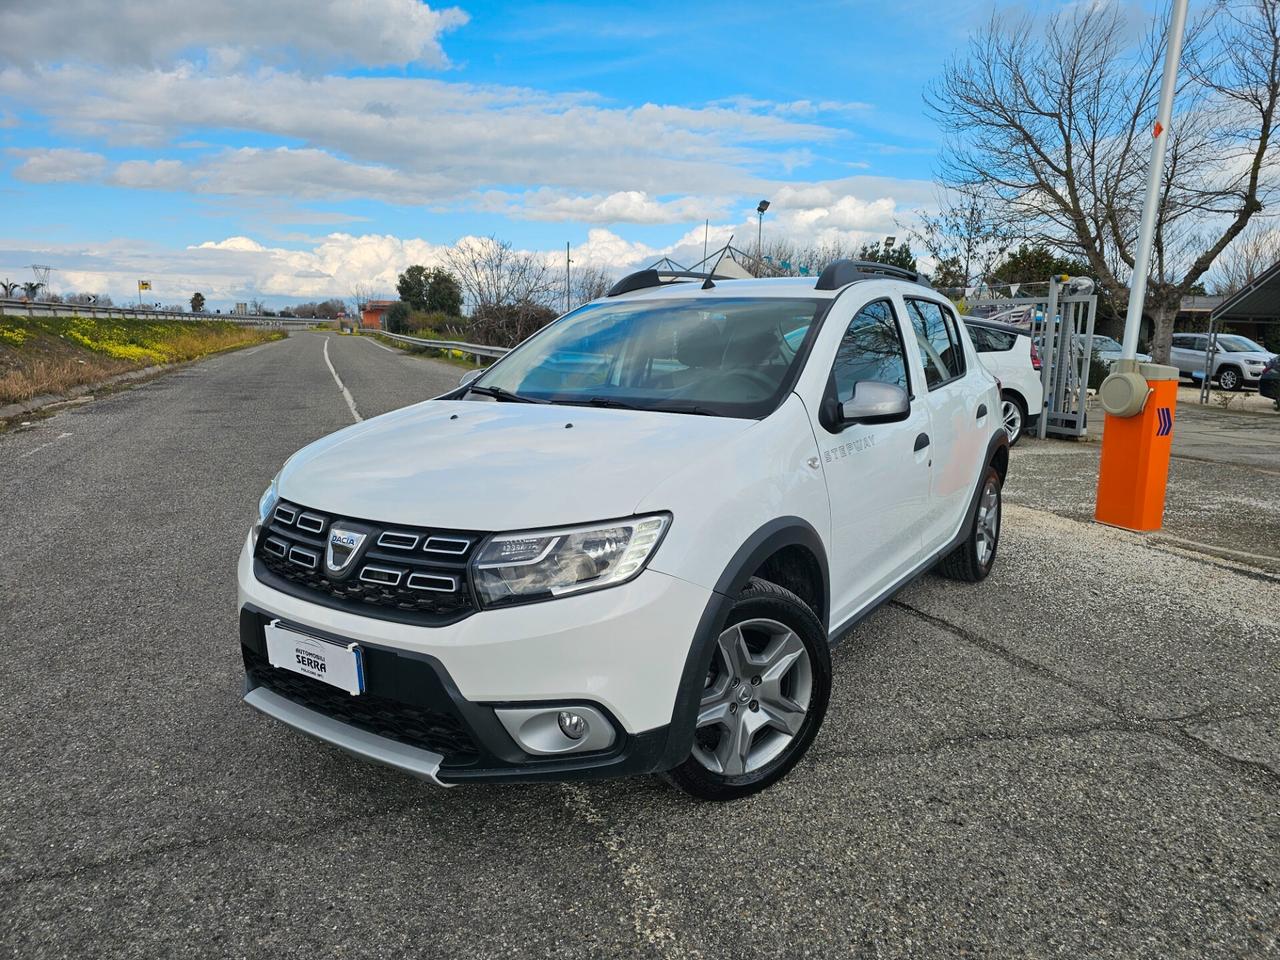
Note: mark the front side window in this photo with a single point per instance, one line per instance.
(939, 342)
(871, 349)
(711, 355)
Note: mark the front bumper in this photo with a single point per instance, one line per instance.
(621, 650)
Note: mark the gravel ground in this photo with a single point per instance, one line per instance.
(1058, 762)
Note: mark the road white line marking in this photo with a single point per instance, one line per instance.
(346, 394)
(380, 346)
(33, 450)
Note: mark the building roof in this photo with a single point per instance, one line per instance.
(1258, 300)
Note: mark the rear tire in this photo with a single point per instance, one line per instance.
(972, 560)
(763, 699)
(1013, 413)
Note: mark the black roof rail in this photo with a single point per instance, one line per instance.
(842, 272)
(656, 278)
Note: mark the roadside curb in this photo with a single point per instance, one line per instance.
(37, 404)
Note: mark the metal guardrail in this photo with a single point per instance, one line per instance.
(475, 349)
(41, 308)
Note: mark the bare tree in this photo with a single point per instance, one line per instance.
(509, 292)
(87, 299)
(1049, 128)
(963, 239)
(1254, 251)
(589, 283)
(361, 294)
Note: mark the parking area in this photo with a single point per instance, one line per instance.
(1078, 757)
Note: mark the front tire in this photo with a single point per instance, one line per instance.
(972, 560)
(763, 699)
(1230, 379)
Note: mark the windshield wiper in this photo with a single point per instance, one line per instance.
(608, 402)
(505, 395)
(659, 406)
(685, 408)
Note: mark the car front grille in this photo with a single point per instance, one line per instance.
(437, 729)
(409, 574)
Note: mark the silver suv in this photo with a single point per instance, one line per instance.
(1237, 360)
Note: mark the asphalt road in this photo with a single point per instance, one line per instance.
(1079, 757)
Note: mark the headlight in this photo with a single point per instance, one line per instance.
(540, 564)
(266, 504)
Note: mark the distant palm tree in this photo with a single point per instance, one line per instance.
(31, 288)
(9, 287)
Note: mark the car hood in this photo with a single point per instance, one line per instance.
(1252, 356)
(499, 466)
(1111, 355)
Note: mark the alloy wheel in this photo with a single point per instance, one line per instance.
(756, 697)
(988, 521)
(1012, 416)
(1228, 380)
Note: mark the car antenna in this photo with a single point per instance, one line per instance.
(708, 285)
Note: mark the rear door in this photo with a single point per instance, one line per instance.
(962, 410)
(1182, 354)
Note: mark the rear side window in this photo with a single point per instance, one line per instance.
(871, 349)
(1184, 342)
(939, 342)
(986, 340)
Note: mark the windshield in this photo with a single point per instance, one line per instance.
(1101, 342)
(727, 357)
(1232, 343)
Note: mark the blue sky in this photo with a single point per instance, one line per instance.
(298, 152)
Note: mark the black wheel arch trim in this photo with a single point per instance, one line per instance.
(773, 536)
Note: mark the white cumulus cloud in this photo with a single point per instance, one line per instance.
(150, 32)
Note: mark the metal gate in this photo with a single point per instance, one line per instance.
(1061, 326)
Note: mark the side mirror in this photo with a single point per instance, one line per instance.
(469, 376)
(874, 402)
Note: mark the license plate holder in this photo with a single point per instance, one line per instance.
(337, 664)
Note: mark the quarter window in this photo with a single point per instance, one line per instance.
(986, 340)
(871, 349)
(939, 342)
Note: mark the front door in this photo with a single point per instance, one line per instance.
(877, 474)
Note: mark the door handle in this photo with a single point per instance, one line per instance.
(922, 441)
(982, 410)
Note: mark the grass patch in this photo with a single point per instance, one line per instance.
(454, 357)
(51, 355)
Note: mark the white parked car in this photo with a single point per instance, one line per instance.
(1237, 361)
(1008, 353)
(626, 547)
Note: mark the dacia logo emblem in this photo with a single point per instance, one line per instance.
(343, 547)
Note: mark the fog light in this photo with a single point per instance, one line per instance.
(572, 725)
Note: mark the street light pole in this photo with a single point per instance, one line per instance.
(568, 296)
(764, 205)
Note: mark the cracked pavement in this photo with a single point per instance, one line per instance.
(1078, 757)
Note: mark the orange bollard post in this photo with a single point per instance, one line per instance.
(1134, 469)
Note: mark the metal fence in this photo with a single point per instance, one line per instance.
(1061, 326)
(41, 308)
(474, 349)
